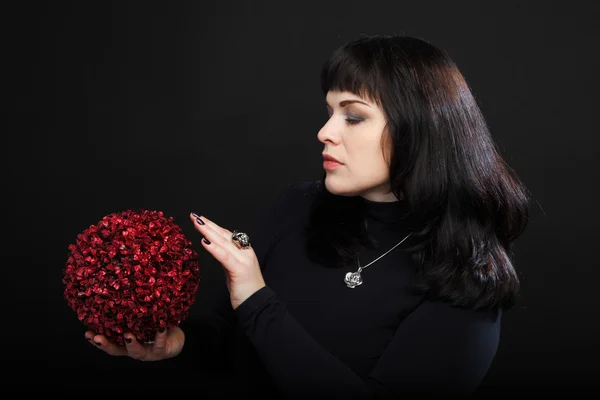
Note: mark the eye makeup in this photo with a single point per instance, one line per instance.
(351, 118)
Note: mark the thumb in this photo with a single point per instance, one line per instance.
(160, 342)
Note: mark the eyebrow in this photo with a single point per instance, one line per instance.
(346, 102)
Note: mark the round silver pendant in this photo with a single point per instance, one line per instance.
(353, 279)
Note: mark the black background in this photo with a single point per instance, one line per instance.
(214, 107)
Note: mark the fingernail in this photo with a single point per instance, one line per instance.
(89, 339)
(195, 215)
(206, 240)
(161, 330)
(98, 344)
(198, 220)
(128, 340)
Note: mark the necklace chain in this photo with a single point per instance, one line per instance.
(381, 256)
(353, 279)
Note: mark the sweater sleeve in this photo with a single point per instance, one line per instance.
(437, 349)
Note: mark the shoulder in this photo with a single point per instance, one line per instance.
(290, 204)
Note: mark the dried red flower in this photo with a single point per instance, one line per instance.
(134, 271)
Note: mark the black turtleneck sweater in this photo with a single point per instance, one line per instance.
(307, 333)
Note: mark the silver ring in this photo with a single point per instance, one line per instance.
(241, 239)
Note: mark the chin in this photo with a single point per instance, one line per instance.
(341, 187)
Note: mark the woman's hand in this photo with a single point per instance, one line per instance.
(244, 276)
(167, 344)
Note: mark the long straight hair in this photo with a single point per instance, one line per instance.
(466, 205)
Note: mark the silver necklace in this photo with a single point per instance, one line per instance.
(353, 279)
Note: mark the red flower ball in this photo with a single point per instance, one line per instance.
(132, 272)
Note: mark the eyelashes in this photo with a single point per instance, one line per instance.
(351, 121)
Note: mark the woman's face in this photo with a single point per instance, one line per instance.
(353, 136)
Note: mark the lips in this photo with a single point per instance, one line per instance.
(331, 165)
(327, 157)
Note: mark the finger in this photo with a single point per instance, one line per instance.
(134, 348)
(221, 254)
(89, 335)
(109, 347)
(160, 342)
(225, 233)
(213, 236)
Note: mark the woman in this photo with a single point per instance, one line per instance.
(419, 191)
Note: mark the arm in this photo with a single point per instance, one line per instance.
(436, 349)
(208, 336)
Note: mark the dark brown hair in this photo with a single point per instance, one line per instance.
(467, 206)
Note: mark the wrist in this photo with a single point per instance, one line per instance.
(235, 303)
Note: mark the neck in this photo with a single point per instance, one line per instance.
(386, 213)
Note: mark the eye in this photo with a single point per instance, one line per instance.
(349, 120)
(353, 121)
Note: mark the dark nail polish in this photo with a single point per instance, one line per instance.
(161, 330)
(128, 340)
(199, 221)
(195, 215)
(206, 240)
(89, 339)
(98, 344)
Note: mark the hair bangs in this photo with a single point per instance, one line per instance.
(351, 70)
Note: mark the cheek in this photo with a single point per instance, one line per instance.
(367, 159)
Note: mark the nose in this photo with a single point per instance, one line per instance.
(328, 133)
